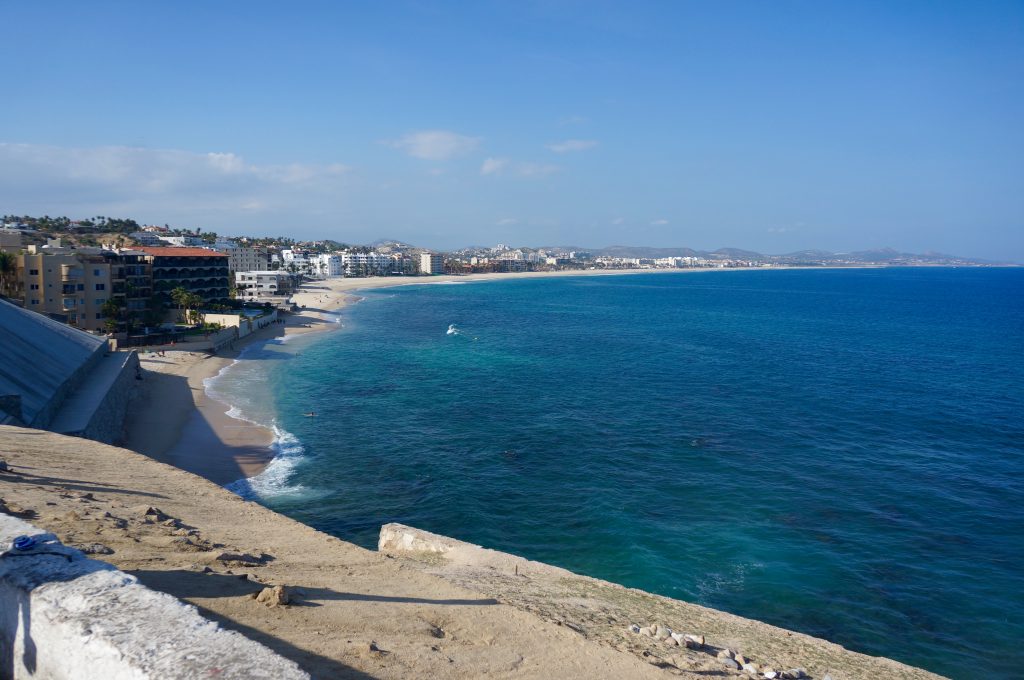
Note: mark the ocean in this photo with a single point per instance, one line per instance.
(837, 452)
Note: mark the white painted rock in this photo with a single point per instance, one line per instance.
(662, 633)
(696, 639)
(771, 674)
(648, 631)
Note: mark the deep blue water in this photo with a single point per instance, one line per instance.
(837, 452)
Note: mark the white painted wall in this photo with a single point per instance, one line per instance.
(63, 616)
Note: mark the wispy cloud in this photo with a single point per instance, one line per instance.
(435, 145)
(507, 222)
(536, 169)
(133, 181)
(502, 166)
(571, 145)
(573, 120)
(493, 166)
(659, 222)
(618, 220)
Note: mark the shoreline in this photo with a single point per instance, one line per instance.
(176, 421)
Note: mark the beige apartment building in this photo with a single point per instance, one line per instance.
(67, 287)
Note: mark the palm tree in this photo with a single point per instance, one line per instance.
(8, 267)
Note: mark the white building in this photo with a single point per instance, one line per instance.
(242, 258)
(184, 241)
(264, 285)
(147, 238)
(431, 263)
(327, 265)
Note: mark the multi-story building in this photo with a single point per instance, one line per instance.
(197, 270)
(243, 258)
(431, 263)
(131, 275)
(264, 285)
(66, 285)
(326, 265)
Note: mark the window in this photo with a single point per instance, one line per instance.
(100, 301)
(33, 272)
(95, 272)
(101, 286)
(33, 286)
(81, 286)
(35, 302)
(99, 316)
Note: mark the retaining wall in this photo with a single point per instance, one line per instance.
(64, 616)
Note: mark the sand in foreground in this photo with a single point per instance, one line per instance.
(361, 614)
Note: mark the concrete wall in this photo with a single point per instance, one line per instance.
(107, 423)
(63, 616)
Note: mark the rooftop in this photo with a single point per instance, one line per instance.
(172, 251)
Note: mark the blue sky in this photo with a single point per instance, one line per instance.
(774, 126)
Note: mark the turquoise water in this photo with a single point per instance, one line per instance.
(837, 452)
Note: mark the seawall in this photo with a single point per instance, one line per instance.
(64, 616)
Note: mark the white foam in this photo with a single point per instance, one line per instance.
(273, 481)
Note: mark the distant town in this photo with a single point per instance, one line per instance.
(126, 280)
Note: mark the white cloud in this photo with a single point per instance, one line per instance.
(493, 166)
(659, 223)
(164, 184)
(507, 222)
(435, 145)
(571, 145)
(536, 169)
(504, 166)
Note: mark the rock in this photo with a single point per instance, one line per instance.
(827, 677)
(740, 659)
(3, 466)
(662, 633)
(648, 631)
(751, 668)
(149, 513)
(797, 673)
(680, 639)
(172, 522)
(770, 673)
(726, 654)
(731, 663)
(633, 628)
(272, 597)
(696, 639)
(95, 549)
(672, 642)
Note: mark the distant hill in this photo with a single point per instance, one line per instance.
(809, 257)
